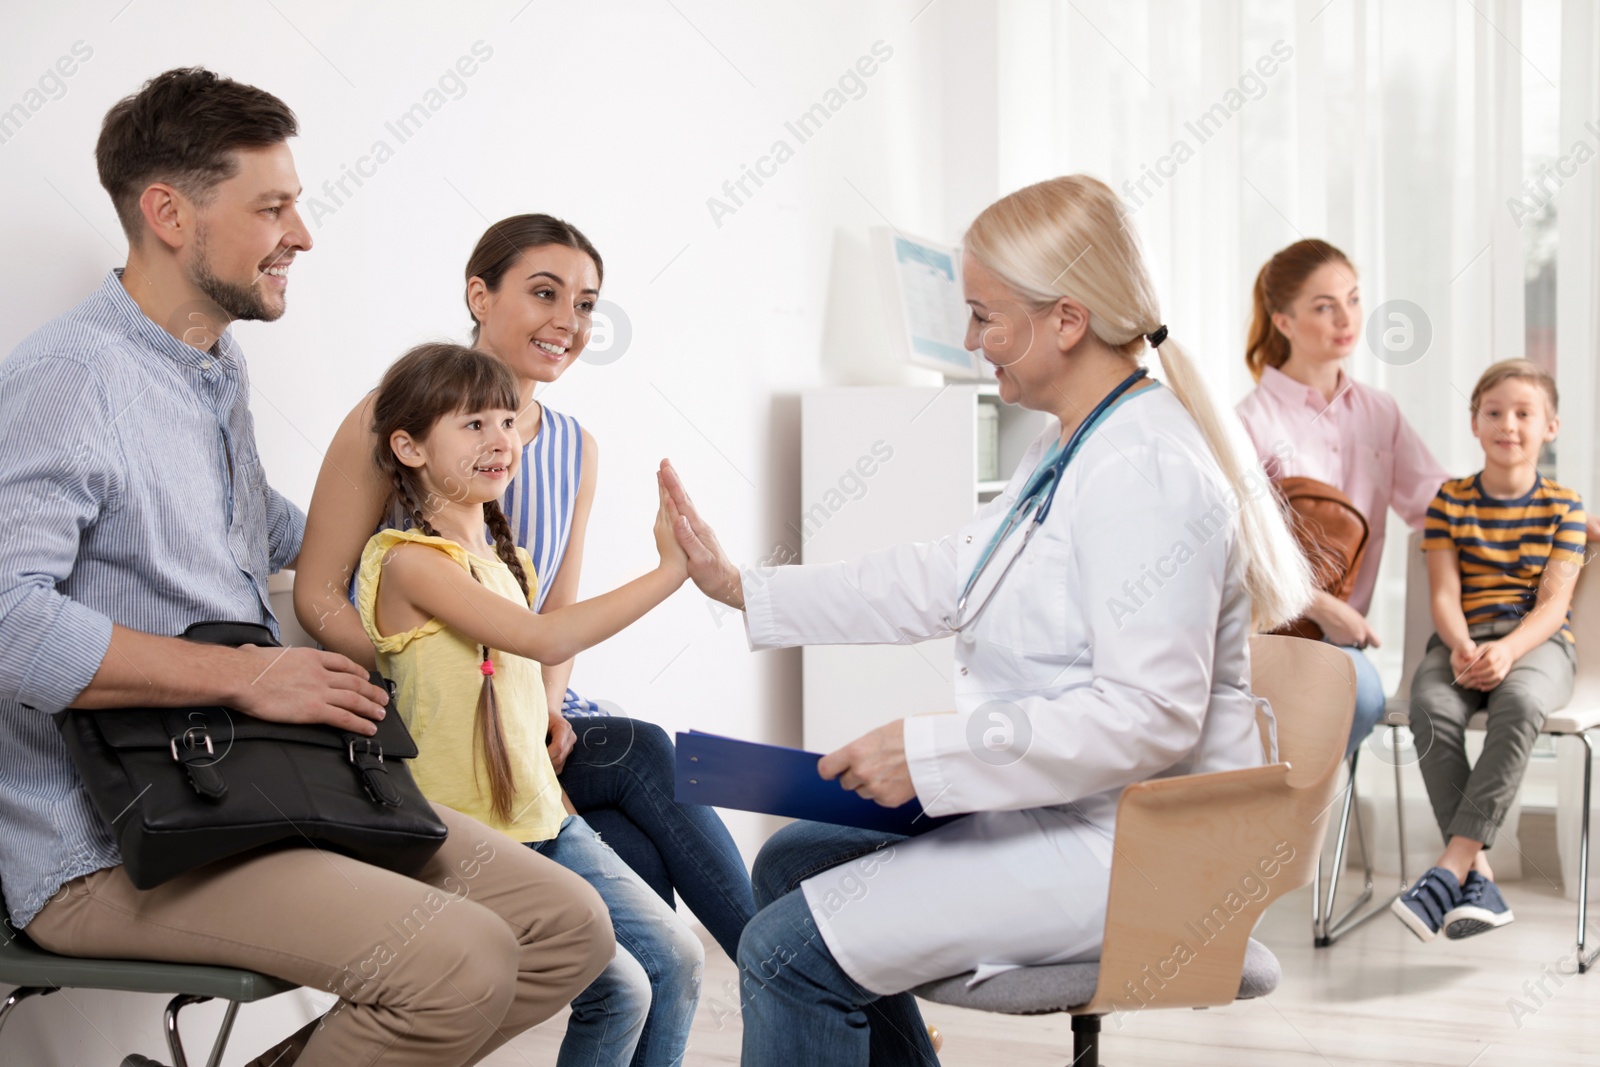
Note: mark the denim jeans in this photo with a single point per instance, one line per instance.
(620, 778)
(1370, 699)
(639, 1010)
(799, 1006)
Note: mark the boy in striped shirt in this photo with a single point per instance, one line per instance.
(1504, 547)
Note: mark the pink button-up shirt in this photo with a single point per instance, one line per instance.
(1360, 443)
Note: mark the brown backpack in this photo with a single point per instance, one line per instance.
(1332, 534)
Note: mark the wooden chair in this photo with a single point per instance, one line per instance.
(1580, 715)
(1190, 873)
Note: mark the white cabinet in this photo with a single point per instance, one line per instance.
(882, 465)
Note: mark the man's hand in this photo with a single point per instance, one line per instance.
(874, 766)
(562, 738)
(305, 685)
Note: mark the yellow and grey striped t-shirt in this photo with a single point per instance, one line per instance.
(1503, 546)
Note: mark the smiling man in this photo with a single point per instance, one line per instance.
(136, 505)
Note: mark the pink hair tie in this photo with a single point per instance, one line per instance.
(487, 667)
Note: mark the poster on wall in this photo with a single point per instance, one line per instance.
(922, 283)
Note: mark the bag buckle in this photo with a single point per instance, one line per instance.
(369, 748)
(366, 756)
(204, 778)
(189, 742)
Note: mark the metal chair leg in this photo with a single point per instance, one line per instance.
(1399, 806)
(1323, 922)
(175, 1040)
(175, 1005)
(221, 1044)
(1585, 961)
(1326, 929)
(1085, 1041)
(1332, 928)
(17, 996)
(170, 1020)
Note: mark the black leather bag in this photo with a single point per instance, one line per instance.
(182, 787)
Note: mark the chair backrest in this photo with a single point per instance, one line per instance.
(1586, 631)
(1418, 624)
(1312, 689)
(1199, 857)
(1419, 627)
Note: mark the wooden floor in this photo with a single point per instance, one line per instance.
(1377, 997)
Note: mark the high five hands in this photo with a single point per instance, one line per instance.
(709, 566)
(874, 765)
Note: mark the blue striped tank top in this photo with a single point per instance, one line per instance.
(541, 499)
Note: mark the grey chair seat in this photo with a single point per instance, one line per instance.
(22, 963)
(1063, 986)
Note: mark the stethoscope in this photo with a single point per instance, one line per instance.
(1037, 496)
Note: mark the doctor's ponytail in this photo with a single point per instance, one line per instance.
(1034, 240)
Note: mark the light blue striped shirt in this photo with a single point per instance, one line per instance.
(131, 493)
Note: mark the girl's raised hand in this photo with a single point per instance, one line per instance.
(709, 566)
(673, 557)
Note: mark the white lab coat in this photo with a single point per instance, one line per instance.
(1115, 650)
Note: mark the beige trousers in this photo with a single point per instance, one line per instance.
(434, 971)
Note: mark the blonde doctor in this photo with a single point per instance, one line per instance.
(1103, 605)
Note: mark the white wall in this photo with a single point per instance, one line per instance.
(623, 118)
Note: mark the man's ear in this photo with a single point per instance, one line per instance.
(167, 214)
(407, 449)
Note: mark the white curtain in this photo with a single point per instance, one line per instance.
(1393, 130)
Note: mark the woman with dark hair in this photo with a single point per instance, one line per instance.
(1310, 419)
(531, 286)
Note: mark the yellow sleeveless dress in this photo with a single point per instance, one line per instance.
(437, 680)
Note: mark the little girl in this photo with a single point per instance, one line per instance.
(447, 603)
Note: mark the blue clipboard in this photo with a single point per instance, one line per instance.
(727, 773)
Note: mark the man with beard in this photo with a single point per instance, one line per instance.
(136, 505)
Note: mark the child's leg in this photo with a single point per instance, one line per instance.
(652, 938)
(627, 764)
(608, 1017)
(1537, 684)
(1439, 713)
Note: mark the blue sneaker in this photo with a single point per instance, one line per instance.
(1423, 907)
(1481, 908)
